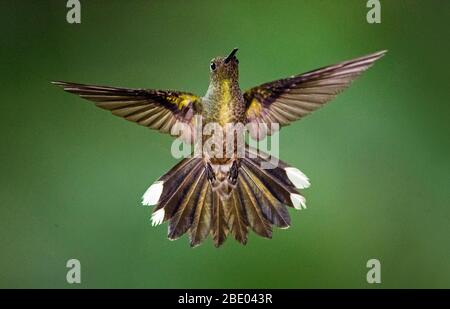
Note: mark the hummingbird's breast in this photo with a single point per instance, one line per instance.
(223, 103)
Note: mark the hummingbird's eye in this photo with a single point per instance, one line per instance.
(213, 66)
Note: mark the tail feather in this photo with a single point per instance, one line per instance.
(281, 179)
(236, 217)
(219, 226)
(256, 219)
(257, 199)
(167, 192)
(201, 224)
(281, 191)
(285, 174)
(182, 220)
(172, 201)
(168, 183)
(274, 211)
(176, 176)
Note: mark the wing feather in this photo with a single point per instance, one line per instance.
(286, 100)
(156, 109)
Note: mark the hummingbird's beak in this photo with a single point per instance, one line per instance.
(231, 55)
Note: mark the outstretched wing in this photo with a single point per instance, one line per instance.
(286, 100)
(156, 109)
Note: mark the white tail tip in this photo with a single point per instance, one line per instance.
(152, 195)
(298, 179)
(158, 217)
(298, 201)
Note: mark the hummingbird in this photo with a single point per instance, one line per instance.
(220, 195)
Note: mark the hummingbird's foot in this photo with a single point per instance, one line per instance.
(210, 172)
(234, 172)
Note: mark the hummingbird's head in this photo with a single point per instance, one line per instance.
(225, 67)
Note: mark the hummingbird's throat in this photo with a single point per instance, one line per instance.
(225, 102)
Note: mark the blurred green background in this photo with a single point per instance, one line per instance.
(72, 175)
